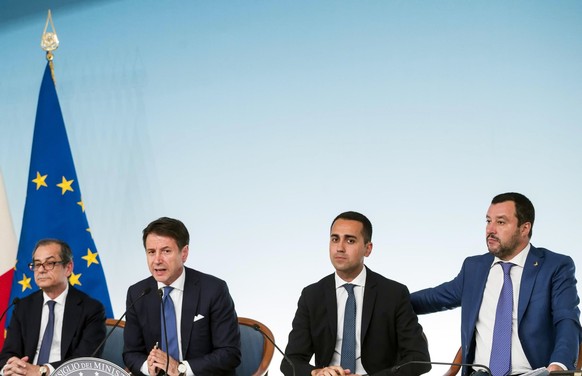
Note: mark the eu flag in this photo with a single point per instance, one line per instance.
(54, 206)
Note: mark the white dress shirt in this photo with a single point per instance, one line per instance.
(55, 354)
(342, 296)
(177, 295)
(486, 318)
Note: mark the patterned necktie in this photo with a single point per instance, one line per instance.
(348, 356)
(500, 362)
(170, 325)
(47, 338)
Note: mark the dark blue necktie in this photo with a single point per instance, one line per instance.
(170, 326)
(47, 338)
(348, 356)
(500, 362)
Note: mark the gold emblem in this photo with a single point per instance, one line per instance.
(49, 41)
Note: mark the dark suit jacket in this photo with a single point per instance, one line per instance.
(391, 334)
(548, 315)
(83, 327)
(210, 345)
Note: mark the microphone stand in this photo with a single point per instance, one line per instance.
(258, 329)
(472, 365)
(14, 302)
(143, 293)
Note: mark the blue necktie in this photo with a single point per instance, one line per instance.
(170, 326)
(47, 338)
(500, 362)
(348, 356)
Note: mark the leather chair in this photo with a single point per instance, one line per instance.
(256, 351)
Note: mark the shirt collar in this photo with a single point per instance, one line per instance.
(178, 284)
(59, 299)
(360, 280)
(518, 259)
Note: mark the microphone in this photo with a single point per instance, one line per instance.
(14, 302)
(485, 372)
(161, 294)
(258, 329)
(146, 291)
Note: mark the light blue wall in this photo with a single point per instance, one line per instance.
(256, 122)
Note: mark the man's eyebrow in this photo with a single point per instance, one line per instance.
(350, 236)
(502, 216)
(44, 259)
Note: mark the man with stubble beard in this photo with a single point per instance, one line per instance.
(519, 303)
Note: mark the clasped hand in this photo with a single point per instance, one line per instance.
(157, 361)
(20, 367)
(332, 371)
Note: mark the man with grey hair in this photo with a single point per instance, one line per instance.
(54, 324)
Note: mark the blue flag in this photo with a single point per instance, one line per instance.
(54, 207)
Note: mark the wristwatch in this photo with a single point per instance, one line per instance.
(182, 369)
(44, 370)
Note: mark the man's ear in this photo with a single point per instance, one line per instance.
(369, 247)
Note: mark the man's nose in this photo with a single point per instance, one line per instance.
(490, 228)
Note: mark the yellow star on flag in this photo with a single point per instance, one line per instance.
(65, 185)
(40, 181)
(90, 257)
(25, 282)
(74, 279)
(82, 205)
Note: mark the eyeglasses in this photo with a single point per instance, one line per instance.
(47, 265)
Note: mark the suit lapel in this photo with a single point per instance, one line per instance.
(71, 317)
(190, 299)
(370, 293)
(533, 264)
(331, 305)
(479, 274)
(32, 340)
(154, 313)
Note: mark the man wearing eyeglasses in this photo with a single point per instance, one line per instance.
(55, 323)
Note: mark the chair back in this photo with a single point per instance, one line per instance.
(256, 351)
(113, 348)
(453, 370)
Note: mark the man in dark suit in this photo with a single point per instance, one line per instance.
(544, 315)
(386, 332)
(206, 325)
(78, 325)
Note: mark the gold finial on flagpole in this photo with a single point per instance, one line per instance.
(49, 41)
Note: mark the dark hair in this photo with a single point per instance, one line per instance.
(355, 216)
(169, 227)
(524, 209)
(66, 253)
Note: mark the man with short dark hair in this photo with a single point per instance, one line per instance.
(54, 324)
(198, 314)
(355, 321)
(519, 302)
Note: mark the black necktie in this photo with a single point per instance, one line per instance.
(348, 358)
(47, 338)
